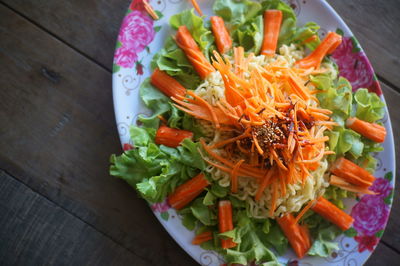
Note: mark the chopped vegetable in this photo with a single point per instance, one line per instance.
(201, 238)
(171, 137)
(296, 234)
(188, 191)
(332, 213)
(150, 10)
(167, 84)
(327, 46)
(186, 42)
(272, 26)
(197, 7)
(221, 34)
(371, 131)
(225, 223)
(352, 173)
(340, 182)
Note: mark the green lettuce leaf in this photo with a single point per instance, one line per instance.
(369, 106)
(235, 12)
(324, 243)
(173, 60)
(195, 24)
(250, 35)
(203, 213)
(155, 171)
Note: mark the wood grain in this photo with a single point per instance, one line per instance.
(375, 25)
(58, 131)
(35, 231)
(89, 26)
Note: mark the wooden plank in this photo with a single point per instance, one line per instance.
(383, 255)
(85, 24)
(58, 131)
(392, 232)
(35, 231)
(375, 24)
(90, 26)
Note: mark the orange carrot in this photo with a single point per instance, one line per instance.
(234, 176)
(327, 46)
(171, 137)
(186, 42)
(272, 26)
(296, 234)
(340, 182)
(371, 131)
(149, 9)
(201, 238)
(332, 213)
(264, 184)
(222, 37)
(167, 84)
(352, 173)
(225, 223)
(304, 210)
(188, 191)
(197, 7)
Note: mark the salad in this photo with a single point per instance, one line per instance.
(254, 138)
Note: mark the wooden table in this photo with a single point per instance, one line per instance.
(58, 204)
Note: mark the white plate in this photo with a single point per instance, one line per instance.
(140, 38)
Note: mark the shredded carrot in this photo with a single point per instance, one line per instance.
(304, 210)
(150, 10)
(197, 7)
(163, 120)
(234, 176)
(264, 184)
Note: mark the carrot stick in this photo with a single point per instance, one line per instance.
(272, 26)
(197, 7)
(371, 131)
(340, 182)
(332, 213)
(296, 234)
(352, 173)
(222, 37)
(186, 42)
(327, 46)
(234, 176)
(149, 9)
(167, 84)
(201, 238)
(188, 191)
(171, 137)
(225, 223)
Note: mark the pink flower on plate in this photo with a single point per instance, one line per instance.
(354, 66)
(125, 57)
(136, 33)
(160, 207)
(381, 186)
(366, 242)
(370, 215)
